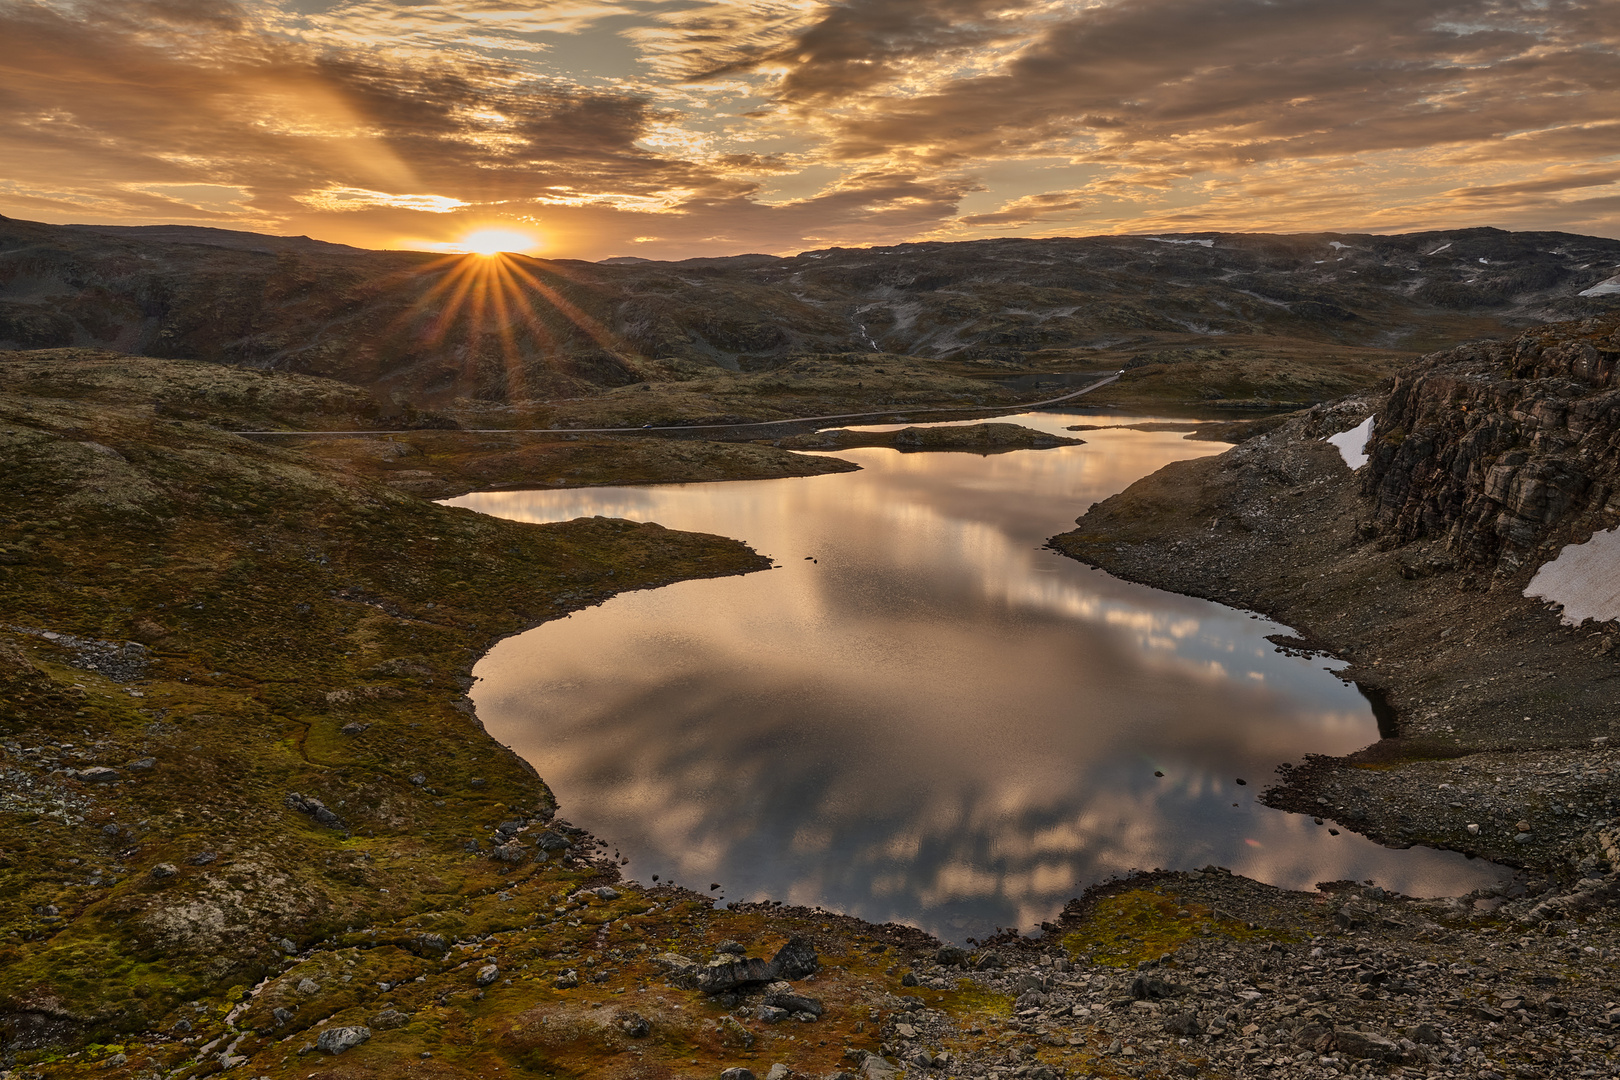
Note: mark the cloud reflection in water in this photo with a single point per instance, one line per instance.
(935, 722)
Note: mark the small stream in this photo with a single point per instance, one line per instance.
(923, 715)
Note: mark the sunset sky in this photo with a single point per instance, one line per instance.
(671, 128)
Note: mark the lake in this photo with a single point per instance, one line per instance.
(923, 715)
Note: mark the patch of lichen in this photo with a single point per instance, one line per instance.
(1129, 927)
(306, 631)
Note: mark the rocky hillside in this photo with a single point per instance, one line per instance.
(434, 327)
(1503, 450)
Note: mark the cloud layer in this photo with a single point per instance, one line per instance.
(676, 127)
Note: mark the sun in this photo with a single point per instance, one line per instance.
(488, 242)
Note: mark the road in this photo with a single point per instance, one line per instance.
(662, 428)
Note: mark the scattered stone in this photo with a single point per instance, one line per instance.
(488, 974)
(98, 774)
(142, 764)
(737, 1073)
(164, 871)
(337, 1040)
(951, 956)
(783, 996)
(607, 892)
(306, 804)
(389, 1019)
(568, 980)
(308, 987)
(282, 1014)
(551, 840)
(634, 1025)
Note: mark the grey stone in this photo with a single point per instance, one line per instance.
(568, 980)
(337, 1040)
(1152, 988)
(487, 975)
(782, 995)
(795, 960)
(308, 804)
(164, 871)
(389, 1019)
(1363, 1044)
(909, 979)
(607, 892)
(738, 1073)
(202, 858)
(432, 943)
(1185, 1024)
(417, 779)
(1424, 1034)
(282, 1014)
(770, 1014)
(951, 956)
(551, 840)
(142, 764)
(779, 1071)
(308, 986)
(634, 1025)
(98, 774)
(509, 853)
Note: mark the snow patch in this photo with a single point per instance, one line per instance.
(1336, 246)
(1603, 288)
(1584, 579)
(1442, 247)
(1163, 240)
(1352, 444)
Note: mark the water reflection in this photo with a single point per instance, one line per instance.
(935, 721)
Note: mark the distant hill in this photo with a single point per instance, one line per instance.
(387, 320)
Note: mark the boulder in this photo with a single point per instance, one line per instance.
(338, 1039)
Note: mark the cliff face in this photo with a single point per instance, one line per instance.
(1503, 448)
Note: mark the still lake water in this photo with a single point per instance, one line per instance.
(936, 721)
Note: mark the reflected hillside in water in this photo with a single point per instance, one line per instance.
(936, 721)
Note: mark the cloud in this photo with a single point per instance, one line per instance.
(782, 124)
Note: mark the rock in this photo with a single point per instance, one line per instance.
(307, 804)
(308, 987)
(1152, 988)
(433, 943)
(909, 979)
(988, 960)
(551, 840)
(770, 1014)
(1473, 829)
(487, 975)
(509, 853)
(738, 1073)
(876, 1068)
(607, 892)
(98, 774)
(353, 727)
(782, 995)
(795, 960)
(142, 764)
(568, 980)
(389, 1019)
(779, 1071)
(724, 974)
(1362, 1044)
(951, 956)
(733, 947)
(1185, 1024)
(683, 970)
(164, 871)
(281, 1015)
(337, 1040)
(634, 1025)
(732, 1033)
(1425, 1034)
(202, 858)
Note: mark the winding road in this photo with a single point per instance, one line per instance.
(649, 429)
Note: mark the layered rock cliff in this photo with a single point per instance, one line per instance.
(1503, 451)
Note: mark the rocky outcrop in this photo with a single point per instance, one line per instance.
(1501, 448)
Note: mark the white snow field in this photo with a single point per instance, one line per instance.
(1584, 578)
(1352, 444)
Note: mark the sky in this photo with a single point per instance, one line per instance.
(675, 128)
